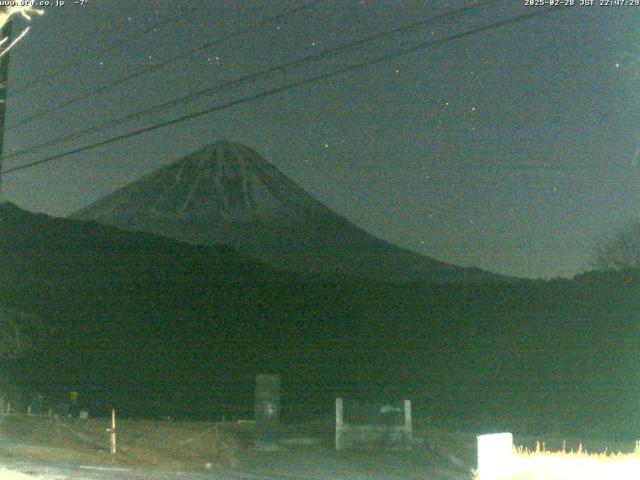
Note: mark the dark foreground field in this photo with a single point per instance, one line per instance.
(219, 451)
(65, 448)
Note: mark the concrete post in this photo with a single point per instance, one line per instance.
(408, 423)
(5, 32)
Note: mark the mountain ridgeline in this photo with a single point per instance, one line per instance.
(155, 326)
(228, 194)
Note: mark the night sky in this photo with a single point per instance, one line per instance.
(511, 150)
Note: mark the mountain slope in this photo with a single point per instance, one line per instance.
(227, 194)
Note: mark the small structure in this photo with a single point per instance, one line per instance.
(390, 427)
(495, 455)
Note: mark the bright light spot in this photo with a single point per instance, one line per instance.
(497, 459)
(7, 12)
(574, 465)
(5, 16)
(6, 474)
(495, 455)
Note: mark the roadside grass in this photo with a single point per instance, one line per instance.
(568, 464)
(161, 444)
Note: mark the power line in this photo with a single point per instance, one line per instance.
(160, 65)
(291, 85)
(251, 78)
(48, 76)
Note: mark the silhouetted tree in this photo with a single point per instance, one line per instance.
(19, 333)
(620, 250)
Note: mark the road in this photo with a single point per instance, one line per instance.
(70, 471)
(292, 463)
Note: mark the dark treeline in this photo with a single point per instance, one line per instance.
(154, 326)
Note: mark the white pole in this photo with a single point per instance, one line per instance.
(339, 423)
(408, 423)
(113, 432)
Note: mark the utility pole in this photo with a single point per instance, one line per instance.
(4, 83)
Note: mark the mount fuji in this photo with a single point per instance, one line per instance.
(228, 194)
